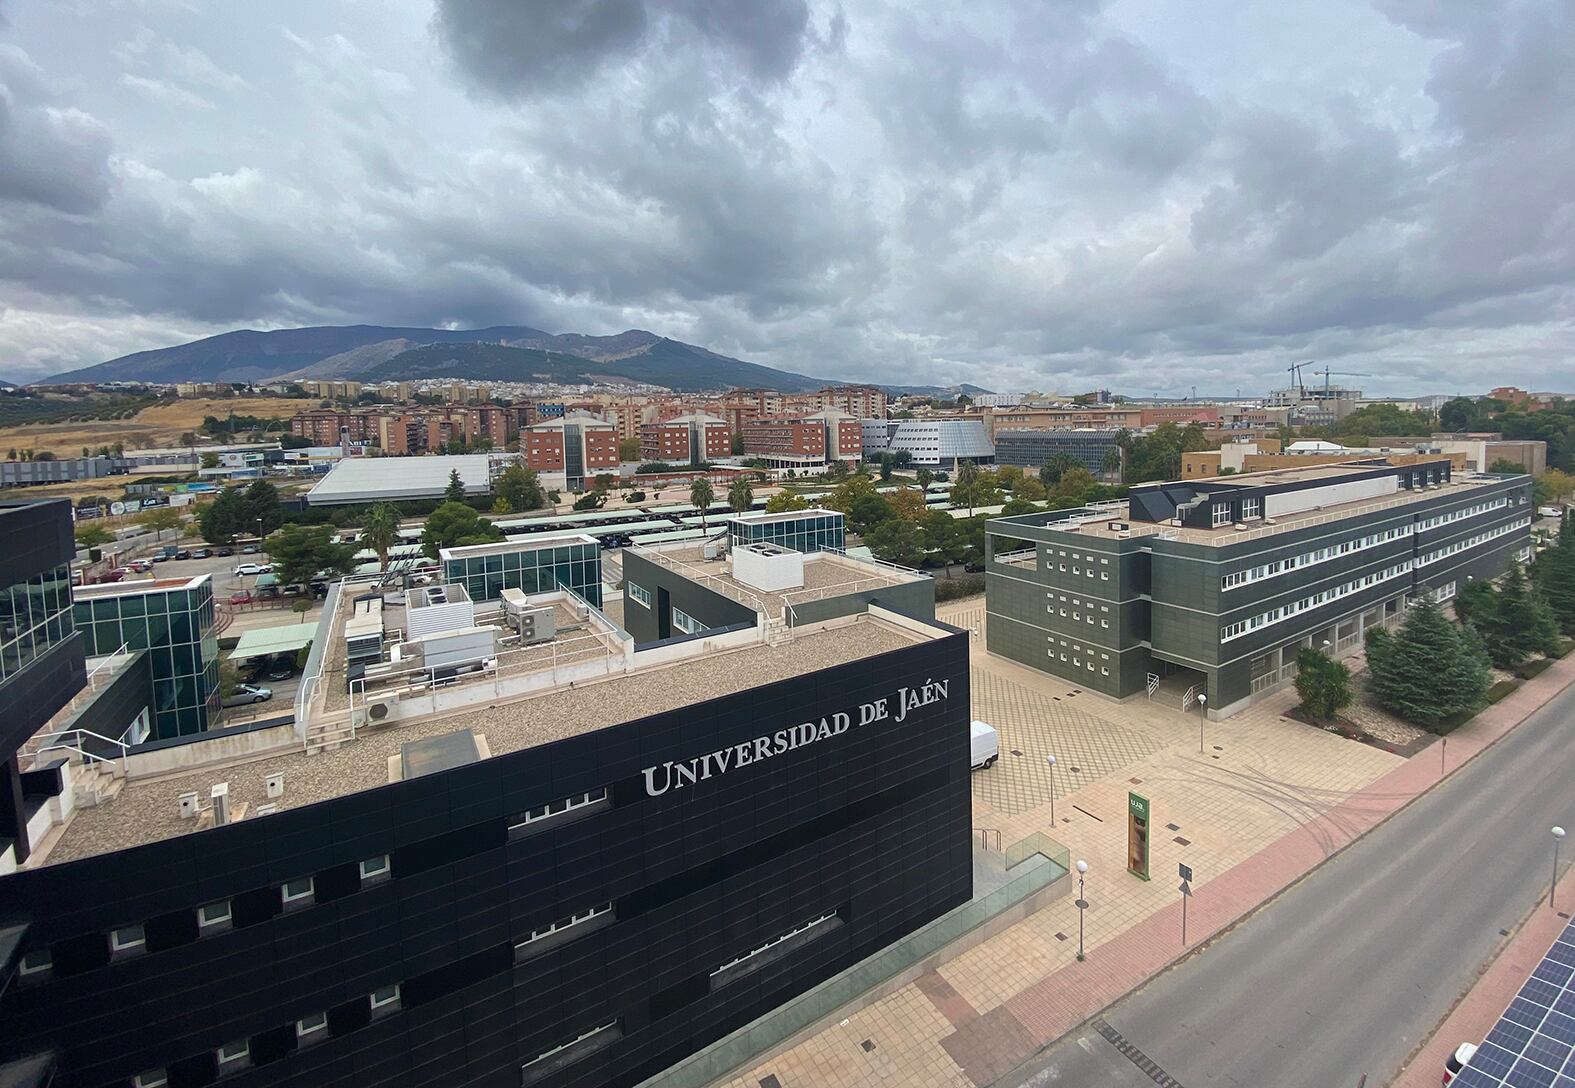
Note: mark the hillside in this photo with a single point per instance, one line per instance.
(662, 362)
(249, 355)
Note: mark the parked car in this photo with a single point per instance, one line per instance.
(280, 668)
(115, 574)
(294, 589)
(245, 695)
(161, 558)
(242, 569)
(225, 552)
(984, 746)
(241, 598)
(141, 566)
(1457, 1061)
(974, 568)
(183, 555)
(250, 549)
(1549, 512)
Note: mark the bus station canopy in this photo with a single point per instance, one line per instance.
(269, 641)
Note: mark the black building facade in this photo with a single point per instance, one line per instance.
(41, 655)
(581, 913)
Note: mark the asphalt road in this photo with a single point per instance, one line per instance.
(1346, 973)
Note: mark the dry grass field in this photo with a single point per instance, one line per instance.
(160, 425)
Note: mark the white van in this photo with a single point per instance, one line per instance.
(1550, 512)
(984, 746)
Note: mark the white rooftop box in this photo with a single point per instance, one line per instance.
(438, 608)
(768, 567)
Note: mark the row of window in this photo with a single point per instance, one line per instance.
(640, 595)
(1077, 615)
(216, 917)
(1461, 545)
(1077, 658)
(312, 1028)
(686, 623)
(775, 941)
(1274, 615)
(1307, 559)
(1464, 512)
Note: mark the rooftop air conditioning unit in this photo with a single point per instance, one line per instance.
(713, 549)
(378, 711)
(190, 805)
(221, 803)
(273, 785)
(537, 625)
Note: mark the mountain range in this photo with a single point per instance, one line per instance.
(500, 353)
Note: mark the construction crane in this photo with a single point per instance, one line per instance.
(1296, 378)
(1343, 374)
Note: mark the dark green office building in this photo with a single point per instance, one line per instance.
(1210, 587)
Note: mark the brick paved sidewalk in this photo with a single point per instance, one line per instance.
(994, 1007)
(1481, 1006)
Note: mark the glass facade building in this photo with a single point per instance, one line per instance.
(35, 615)
(173, 621)
(800, 530)
(486, 570)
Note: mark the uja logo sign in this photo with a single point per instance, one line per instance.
(676, 776)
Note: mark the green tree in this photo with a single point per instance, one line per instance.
(159, 519)
(701, 496)
(736, 444)
(629, 449)
(944, 538)
(300, 553)
(965, 488)
(1051, 471)
(90, 535)
(521, 488)
(225, 518)
(602, 482)
(455, 491)
(380, 531)
(1323, 684)
(208, 460)
(591, 500)
(1110, 463)
(923, 476)
(263, 514)
(1430, 671)
(1076, 485)
(1506, 466)
(456, 525)
(1030, 489)
(740, 495)
(897, 541)
(783, 501)
(500, 505)
(906, 503)
(1554, 574)
(1520, 623)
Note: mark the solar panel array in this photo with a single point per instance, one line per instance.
(1531, 1045)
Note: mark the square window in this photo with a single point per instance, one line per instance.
(36, 962)
(153, 1078)
(213, 915)
(314, 1025)
(298, 893)
(374, 868)
(234, 1056)
(128, 939)
(385, 999)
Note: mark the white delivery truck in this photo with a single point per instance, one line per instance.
(984, 748)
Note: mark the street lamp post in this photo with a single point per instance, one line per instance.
(1082, 905)
(1203, 716)
(1558, 835)
(1051, 760)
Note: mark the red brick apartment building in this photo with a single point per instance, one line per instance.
(568, 451)
(685, 439)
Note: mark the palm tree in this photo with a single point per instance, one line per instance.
(966, 483)
(701, 496)
(740, 495)
(381, 532)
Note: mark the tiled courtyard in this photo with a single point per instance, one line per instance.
(1260, 777)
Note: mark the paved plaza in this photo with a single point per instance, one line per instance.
(1266, 800)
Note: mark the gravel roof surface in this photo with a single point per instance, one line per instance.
(146, 810)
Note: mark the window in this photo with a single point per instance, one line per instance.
(153, 1078)
(36, 962)
(532, 944)
(640, 595)
(775, 941)
(373, 869)
(314, 1025)
(551, 1061)
(1221, 514)
(298, 893)
(686, 623)
(128, 939)
(1251, 509)
(214, 915)
(233, 1056)
(385, 1000)
(554, 809)
(1103, 671)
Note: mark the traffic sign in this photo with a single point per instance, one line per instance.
(1186, 870)
(1186, 889)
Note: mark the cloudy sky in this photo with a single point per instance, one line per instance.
(1149, 195)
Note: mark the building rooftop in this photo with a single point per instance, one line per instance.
(1112, 521)
(135, 585)
(527, 543)
(359, 479)
(147, 809)
(826, 574)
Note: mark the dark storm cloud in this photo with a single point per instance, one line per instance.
(532, 47)
(49, 155)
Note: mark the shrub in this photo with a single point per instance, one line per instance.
(1532, 668)
(950, 589)
(1501, 689)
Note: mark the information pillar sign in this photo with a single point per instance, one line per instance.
(1137, 835)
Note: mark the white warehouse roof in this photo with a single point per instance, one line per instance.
(370, 479)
